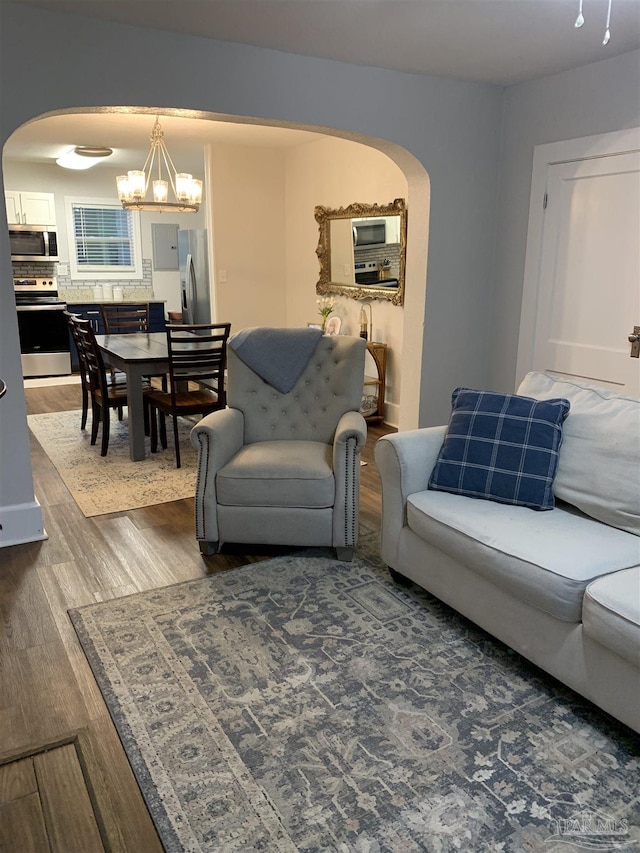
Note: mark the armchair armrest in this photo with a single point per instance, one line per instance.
(349, 439)
(217, 438)
(350, 425)
(405, 461)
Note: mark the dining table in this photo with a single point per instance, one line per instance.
(137, 355)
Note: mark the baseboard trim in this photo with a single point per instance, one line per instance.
(21, 523)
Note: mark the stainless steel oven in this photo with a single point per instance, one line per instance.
(44, 333)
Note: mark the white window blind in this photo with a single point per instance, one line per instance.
(104, 236)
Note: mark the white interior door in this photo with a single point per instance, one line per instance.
(589, 271)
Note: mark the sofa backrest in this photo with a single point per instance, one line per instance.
(330, 385)
(599, 460)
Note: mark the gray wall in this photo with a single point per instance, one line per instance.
(597, 98)
(451, 127)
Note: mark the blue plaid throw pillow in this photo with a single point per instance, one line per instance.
(502, 447)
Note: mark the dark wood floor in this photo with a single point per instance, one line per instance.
(48, 696)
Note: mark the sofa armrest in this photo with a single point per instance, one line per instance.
(217, 438)
(349, 439)
(405, 461)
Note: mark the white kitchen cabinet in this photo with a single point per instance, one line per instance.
(30, 208)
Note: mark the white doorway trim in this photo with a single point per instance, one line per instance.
(567, 151)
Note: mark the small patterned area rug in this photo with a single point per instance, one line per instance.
(113, 483)
(304, 704)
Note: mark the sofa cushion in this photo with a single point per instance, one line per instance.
(599, 464)
(546, 559)
(611, 613)
(278, 473)
(502, 447)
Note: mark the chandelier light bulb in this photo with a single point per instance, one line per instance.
(122, 182)
(137, 183)
(196, 188)
(183, 185)
(160, 191)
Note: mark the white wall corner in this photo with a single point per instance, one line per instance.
(21, 523)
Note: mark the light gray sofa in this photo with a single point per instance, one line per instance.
(562, 587)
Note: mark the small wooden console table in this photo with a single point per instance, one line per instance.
(379, 354)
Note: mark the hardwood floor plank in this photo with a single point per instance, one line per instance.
(49, 487)
(22, 827)
(54, 549)
(129, 810)
(68, 812)
(115, 592)
(89, 548)
(26, 617)
(177, 515)
(65, 590)
(17, 779)
(49, 693)
(54, 398)
(13, 728)
(145, 562)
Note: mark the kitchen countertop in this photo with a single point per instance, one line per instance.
(73, 300)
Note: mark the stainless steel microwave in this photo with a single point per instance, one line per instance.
(369, 232)
(32, 243)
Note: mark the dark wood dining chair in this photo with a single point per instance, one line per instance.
(73, 320)
(197, 354)
(76, 322)
(103, 396)
(124, 319)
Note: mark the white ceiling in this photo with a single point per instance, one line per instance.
(128, 134)
(495, 41)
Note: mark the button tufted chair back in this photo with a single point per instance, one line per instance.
(330, 385)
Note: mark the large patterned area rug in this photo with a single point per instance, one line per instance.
(303, 704)
(113, 483)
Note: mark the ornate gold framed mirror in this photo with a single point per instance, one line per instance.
(362, 250)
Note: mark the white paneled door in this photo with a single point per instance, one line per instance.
(589, 272)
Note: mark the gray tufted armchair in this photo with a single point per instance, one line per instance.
(284, 469)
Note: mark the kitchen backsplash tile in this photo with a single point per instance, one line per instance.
(82, 289)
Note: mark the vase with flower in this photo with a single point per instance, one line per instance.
(325, 308)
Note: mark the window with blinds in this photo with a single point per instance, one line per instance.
(103, 240)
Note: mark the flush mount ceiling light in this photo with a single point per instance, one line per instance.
(83, 157)
(132, 187)
(607, 32)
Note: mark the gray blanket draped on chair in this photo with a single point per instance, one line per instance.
(279, 356)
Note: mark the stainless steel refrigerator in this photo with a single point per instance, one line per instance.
(194, 276)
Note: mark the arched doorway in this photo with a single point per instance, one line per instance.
(407, 330)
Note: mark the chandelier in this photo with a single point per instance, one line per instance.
(607, 32)
(133, 187)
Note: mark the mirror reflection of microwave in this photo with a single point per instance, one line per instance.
(369, 232)
(33, 243)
